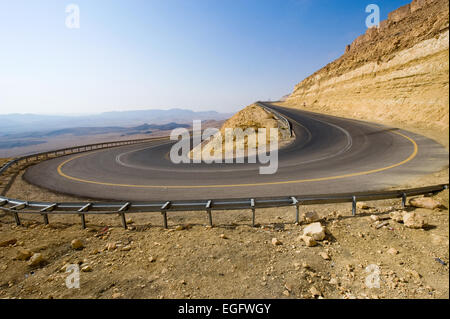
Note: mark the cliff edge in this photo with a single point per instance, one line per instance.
(397, 72)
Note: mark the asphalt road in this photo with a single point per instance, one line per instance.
(329, 155)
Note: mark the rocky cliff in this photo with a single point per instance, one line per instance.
(396, 72)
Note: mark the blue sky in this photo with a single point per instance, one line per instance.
(140, 54)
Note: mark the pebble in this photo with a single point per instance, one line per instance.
(325, 256)
(276, 242)
(8, 242)
(36, 260)
(77, 244)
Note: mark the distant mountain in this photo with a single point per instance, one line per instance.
(31, 123)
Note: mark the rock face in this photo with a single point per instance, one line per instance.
(397, 72)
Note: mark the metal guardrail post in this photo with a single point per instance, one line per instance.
(297, 209)
(47, 209)
(354, 206)
(403, 200)
(122, 214)
(85, 208)
(164, 209)
(208, 211)
(15, 208)
(252, 204)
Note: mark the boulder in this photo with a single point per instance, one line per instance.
(413, 220)
(316, 231)
(425, 202)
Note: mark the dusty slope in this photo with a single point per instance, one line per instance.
(398, 73)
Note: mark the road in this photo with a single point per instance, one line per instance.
(329, 155)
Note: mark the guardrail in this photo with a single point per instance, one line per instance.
(278, 114)
(47, 209)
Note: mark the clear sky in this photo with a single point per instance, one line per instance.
(142, 54)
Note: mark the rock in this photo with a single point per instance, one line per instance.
(397, 216)
(223, 236)
(413, 220)
(23, 254)
(276, 242)
(286, 293)
(126, 248)
(316, 231)
(309, 241)
(8, 242)
(86, 268)
(362, 205)
(325, 256)
(151, 259)
(311, 217)
(116, 295)
(315, 292)
(374, 218)
(77, 244)
(425, 202)
(180, 227)
(111, 246)
(36, 260)
(392, 251)
(129, 221)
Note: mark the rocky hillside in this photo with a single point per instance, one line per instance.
(397, 72)
(252, 117)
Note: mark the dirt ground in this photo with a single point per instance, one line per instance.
(230, 260)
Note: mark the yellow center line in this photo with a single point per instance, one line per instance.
(413, 155)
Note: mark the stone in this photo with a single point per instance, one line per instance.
(397, 216)
(180, 227)
(23, 254)
(316, 231)
(129, 221)
(36, 260)
(86, 268)
(77, 244)
(309, 241)
(325, 256)
(126, 248)
(315, 292)
(362, 205)
(311, 217)
(223, 236)
(392, 251)
(276, 242)
(374, 218)
(8, 242)
(425, 202)
(414, 221)
(111, 246)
